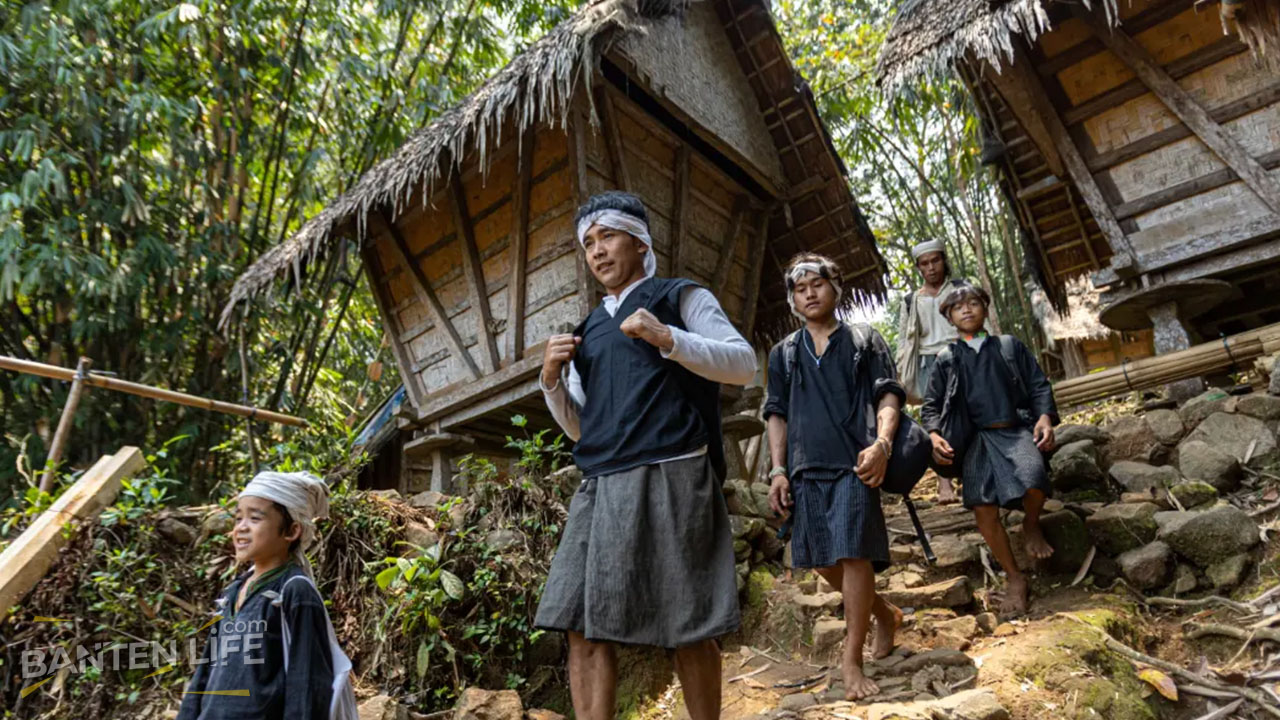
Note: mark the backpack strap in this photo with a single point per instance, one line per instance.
(789, 354)
(1008, 350)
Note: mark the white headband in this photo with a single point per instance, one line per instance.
(630, 224)
(926, 247)
(802, 269)
(304, 495)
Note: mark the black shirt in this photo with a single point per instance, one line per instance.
(980, 385)
(988, 388)
(819, 404)
(304, 693)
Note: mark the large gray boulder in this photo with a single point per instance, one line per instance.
(1132, 439)
(1141, 477)
(1070, 432)
(1122, 527)
(1193, 493)
(1075, 466)
(1235, 435)
(1209, 536)
(1228, 572)
(1262, 407)
(1195, 410)
(1148, 566)
(1198, 460)
(1274, 387)
(1166, 425)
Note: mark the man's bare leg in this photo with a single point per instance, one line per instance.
(1015, 599)
(1037, 546)
(593, 678)
(698, 667)
(887, 616)
(859, 595)
(946, 491)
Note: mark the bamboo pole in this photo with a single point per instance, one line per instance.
(64, 425)
(108, 383)
(1236, 350)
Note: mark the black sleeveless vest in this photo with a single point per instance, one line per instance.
(641, 407)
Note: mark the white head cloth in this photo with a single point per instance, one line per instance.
(799, 271)
(926, 247)
(629, 224)
(304, 495)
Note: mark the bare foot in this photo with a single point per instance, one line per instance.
(946, 493)
(1037, 547)
(857, 685)
(1015, 596)
(887, 624)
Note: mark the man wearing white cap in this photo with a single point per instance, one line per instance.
(923, 332)
(647, 553)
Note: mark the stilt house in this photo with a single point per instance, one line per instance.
(1137, 142)
(467, 230)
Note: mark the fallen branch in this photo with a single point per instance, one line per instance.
(1257, 602)
(1242, 608)
(1084, 566)
(1265, 509)
(1259, 699)
(1208, 629)
(1193, 689)
(1223, 711)
(753, 673)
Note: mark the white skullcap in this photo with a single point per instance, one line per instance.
(627, 223)
(304, 495)
(926, 247)
(799, 270)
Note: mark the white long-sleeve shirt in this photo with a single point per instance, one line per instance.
(710, 347)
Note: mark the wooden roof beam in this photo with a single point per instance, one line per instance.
(725, 263)
(475, 272)
(1192, 113)
(427, 295)
(517, 288)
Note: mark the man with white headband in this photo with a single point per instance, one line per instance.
(647, 552)
(271, 635)
(833, 410)
(923, 332)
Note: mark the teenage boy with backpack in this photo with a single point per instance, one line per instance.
(989, 409)
(821, 470)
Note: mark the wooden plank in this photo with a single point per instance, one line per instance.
(1192, 113)
(26, 560)
(1015, 98)
(613, 138)
(578, 166)
(427, 296)
(1082, 51)
(757, 258)
(1123, 257)
(518, 246)
(474, 271)
(1190, 188)
(1180, 68)
(408, 370)
(471, 393)
(680, 213)
(730, 247)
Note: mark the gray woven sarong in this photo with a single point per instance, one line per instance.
(836, 517)
(646, 559)
(1000, 466)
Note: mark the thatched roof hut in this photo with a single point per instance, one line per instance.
(1134, 141)
(466, 231)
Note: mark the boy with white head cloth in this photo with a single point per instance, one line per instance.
(647, 553)
(272, 635)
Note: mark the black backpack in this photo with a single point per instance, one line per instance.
(912, 448)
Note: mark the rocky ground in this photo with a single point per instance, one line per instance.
(1159, 600)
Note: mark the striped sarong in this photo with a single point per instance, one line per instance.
(1000, 466)
(836, 517)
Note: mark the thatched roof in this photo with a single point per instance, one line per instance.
(929, 36)
(534, 87)
(1081, 321)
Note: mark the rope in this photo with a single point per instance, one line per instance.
(1225, 346)
(1124, 366)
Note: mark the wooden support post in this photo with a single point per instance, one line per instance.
(1190, 112)
(408, 370)
(64, 425)
(25, 561)
(680, 212)
(1124, 260)
(518, 246)
(730, 248)
(758, 245)
(427, 296)
(613, 138)
(440, 448)
(474, 271)
(578, 166)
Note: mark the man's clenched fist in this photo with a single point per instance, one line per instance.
(643, 325)
(560, 350)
